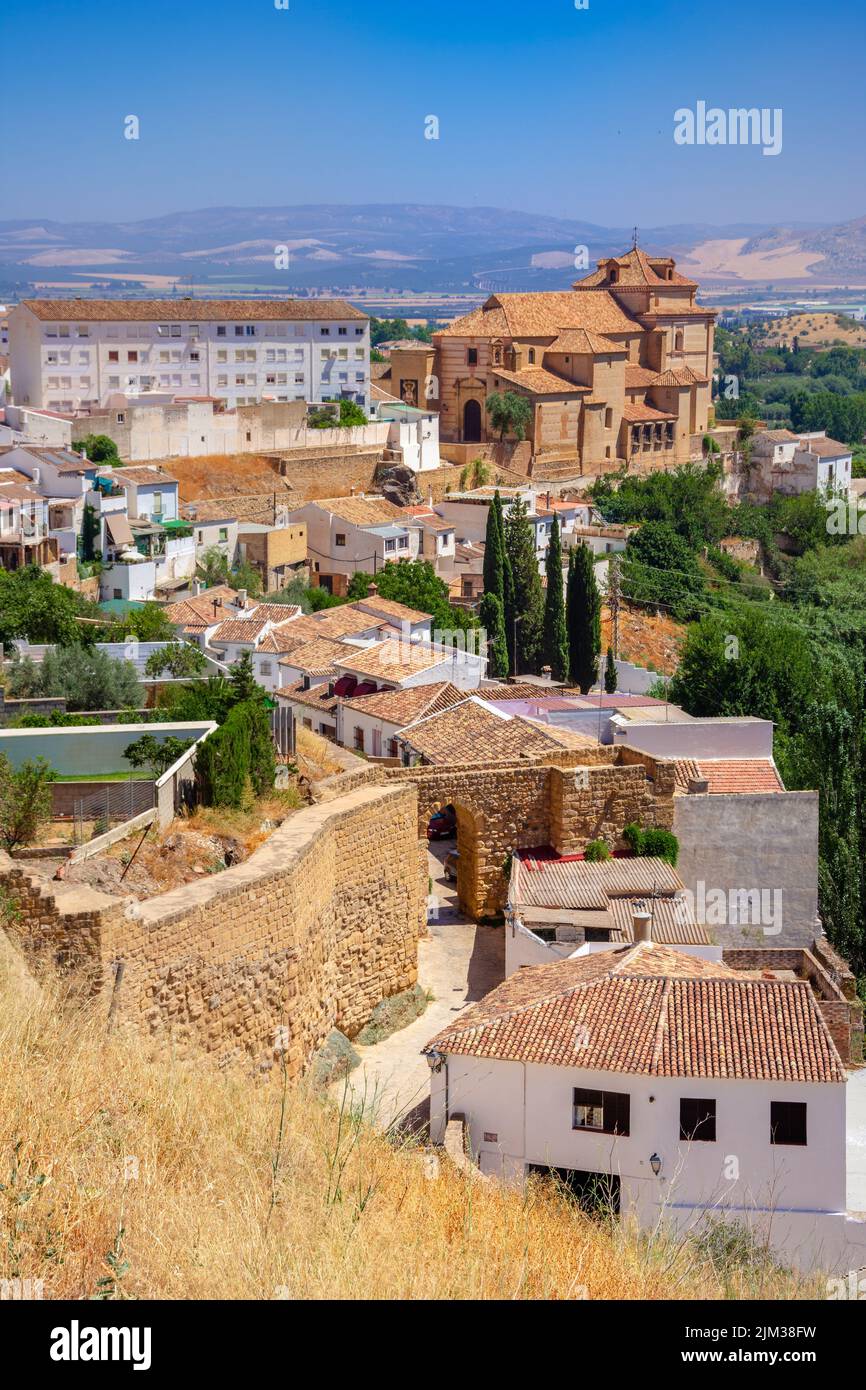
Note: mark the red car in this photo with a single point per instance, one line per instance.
(442, 824)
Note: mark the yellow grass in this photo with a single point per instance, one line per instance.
(222, 1208)
(313, 754)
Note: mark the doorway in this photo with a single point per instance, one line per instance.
(598, 1194)
(472, 423)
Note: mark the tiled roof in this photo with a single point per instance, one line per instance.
(239, 630)
(826, 448)
(472, 733)
(317, 658)
(581, 340)
(189, 310)
(649, 1010)
(673, 921)
(360, 511)
(544, 315)
(582, 884)
(640, 413)
(636, 270)
(402, 707)
(344, 620)
(679, 376)
(388, 608)
(638, 377)
(729, 775)
(64, 460)
(277, 612)
(391, 660)
(317, 697)
(140, 475)
(777, 436)
(199, 611)
(541, 382)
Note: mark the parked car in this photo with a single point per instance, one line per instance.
(449, 865)
(442, 824)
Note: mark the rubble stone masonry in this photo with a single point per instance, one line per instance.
(308, 934)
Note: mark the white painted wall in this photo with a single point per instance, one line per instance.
(529, 1108)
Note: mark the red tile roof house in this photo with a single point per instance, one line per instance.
(681, 1090)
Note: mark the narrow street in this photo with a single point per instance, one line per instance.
(458, 962)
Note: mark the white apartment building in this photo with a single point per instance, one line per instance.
(73, 354)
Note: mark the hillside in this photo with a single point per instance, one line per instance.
(217, 1205)
(398, 247)
(813, 329)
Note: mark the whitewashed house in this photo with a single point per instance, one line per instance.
(671, 1088)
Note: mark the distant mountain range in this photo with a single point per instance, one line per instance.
(403, 246)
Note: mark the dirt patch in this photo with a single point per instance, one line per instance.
(645, 639)
(221, 475)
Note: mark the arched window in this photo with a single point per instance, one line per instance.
(531, 357)
(678, 340)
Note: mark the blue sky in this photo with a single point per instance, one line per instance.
(542, 107)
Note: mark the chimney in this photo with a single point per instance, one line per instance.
(373, 589)
(640, 923)
(242, 598)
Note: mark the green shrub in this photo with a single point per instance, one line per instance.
(652, 843)
(660, 844)
(633, 836)
(596, 851)
(237, 762)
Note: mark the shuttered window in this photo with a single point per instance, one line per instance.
(606, 1112)
(698, 1120)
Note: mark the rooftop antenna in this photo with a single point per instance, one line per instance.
(634, 238)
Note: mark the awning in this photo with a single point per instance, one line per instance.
(119, 528)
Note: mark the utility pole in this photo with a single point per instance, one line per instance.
(613, 602)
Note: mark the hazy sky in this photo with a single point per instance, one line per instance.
(541, 106)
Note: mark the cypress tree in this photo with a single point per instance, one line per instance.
(493, 621)
(555, 631)
(610, 673)
(583, 617)
(494, 548)
(507, 587)
(527, 591)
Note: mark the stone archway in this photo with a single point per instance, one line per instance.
(472, 422)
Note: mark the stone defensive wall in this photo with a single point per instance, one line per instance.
(262, 960)
(563, 800)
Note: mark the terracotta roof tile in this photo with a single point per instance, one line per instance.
(360, 511)
(541, 382)
(546, 315)
(729, 776)
(650, 1010)
(402, 707)
(317, 658)
(471, 733)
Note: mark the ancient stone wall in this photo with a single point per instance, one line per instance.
(565, 800)
(308, 934)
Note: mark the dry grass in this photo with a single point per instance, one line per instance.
(224, 1208)
(314, 755)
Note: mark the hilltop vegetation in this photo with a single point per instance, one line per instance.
(130, 1174)
(791, 648)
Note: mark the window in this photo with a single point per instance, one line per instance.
(359, 739)
(325, 332)
(157, 504)
(390, 545)
(239, 330)
(698, 1120)
(267, 668)
(341, 332)
(224, 533)
(175, 330)
(678, 340)
(392, 742)
(608, 418)
(530, 357)
(787, 1122)
(120, 417)
(132, 357)
(83, 331)
(605, 1111)
(472, 357)
(195, 357)
(250, 330)
(114, 355)
(117, 593)
(340, 538)
(359, 332)
(221, 330)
